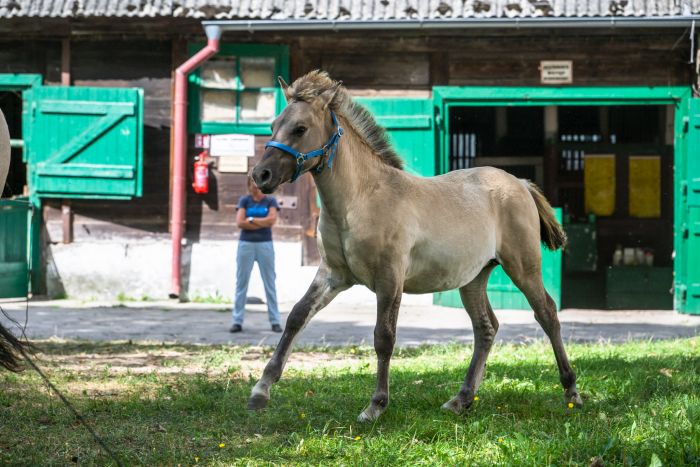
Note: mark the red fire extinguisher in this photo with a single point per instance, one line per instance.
(201, 173)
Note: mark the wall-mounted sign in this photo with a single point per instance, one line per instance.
(556, 72)
(232, 145)
(232, 164)
(201, 141)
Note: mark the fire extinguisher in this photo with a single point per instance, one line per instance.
(201, 173)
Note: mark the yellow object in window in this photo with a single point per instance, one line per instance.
(599, 184)
(645, 186)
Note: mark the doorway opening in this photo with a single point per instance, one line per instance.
(610, 169)
(11, 106)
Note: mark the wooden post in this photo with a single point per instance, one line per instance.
(65, 62)
(67, 221)
(66, 211)
(551, 154)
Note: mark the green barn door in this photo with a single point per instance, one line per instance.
(687, 263)
(85, 142)
(409, 122)
(14, 254)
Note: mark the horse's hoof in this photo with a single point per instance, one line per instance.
(257, 402)
(575, 399)
(370, 414)
(455, 406)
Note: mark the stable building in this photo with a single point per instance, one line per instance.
(593, 100)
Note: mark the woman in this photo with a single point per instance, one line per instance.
(255, 216)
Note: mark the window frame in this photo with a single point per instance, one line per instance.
(281, 55)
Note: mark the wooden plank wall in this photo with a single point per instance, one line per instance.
(368, 64)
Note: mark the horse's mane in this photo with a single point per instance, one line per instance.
(317, 84)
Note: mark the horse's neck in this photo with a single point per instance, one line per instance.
(356, 172)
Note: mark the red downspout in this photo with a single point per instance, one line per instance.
(177, 215)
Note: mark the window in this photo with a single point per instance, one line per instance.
(237, 90)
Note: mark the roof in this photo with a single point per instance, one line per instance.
(346, 9)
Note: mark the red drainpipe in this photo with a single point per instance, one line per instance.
(177, 214)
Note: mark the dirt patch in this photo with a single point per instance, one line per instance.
(247, 362)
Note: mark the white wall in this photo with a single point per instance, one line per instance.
(106, 270)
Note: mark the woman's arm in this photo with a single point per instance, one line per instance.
(242, 221)
(267, 221)
(256, 222)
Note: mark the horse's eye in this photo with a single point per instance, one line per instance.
(300, 130)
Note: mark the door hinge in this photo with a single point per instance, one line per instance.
(686, 122)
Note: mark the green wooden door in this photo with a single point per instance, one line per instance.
(409, 122)
(14, 253)
(687, 225)
(85, 142)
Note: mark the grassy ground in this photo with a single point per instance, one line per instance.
(169, 405)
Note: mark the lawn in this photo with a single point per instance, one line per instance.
(172, 404)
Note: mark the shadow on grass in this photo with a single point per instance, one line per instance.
(633, 410)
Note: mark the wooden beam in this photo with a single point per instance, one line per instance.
(65, 62)
(66, 211)
(67, 221)
(439, 69)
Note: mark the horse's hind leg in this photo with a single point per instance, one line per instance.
(485, 326)
(322, 290)
(526, 273)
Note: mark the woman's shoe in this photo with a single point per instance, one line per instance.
(276, 328)
(236, 328)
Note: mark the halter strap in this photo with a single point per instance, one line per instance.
(330, 147)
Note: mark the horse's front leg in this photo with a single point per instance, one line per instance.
(388, 302)
(322, 290)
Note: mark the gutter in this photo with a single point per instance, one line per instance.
(179, 197)
(450, 23)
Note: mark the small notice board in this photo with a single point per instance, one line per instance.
(556, 72)
(233, 151)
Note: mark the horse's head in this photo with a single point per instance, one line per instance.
(304, 128)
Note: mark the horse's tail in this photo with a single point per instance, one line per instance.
(551, 232)
(9, 348)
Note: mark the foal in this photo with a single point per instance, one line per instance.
(392, 232)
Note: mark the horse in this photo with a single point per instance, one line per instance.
(9, 344)
(393, 232)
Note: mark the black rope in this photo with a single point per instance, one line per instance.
(21, 349)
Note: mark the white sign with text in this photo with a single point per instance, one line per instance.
(232, 145)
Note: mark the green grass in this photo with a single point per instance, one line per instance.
(170, 405)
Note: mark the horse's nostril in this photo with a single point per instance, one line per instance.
(265, 176)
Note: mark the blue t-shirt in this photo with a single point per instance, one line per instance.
(257, 209)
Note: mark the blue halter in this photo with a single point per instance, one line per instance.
(330, 147)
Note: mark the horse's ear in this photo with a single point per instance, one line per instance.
(284, 86)
(329, 95)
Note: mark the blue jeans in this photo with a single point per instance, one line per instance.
(264, 254)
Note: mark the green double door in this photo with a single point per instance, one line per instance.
(419, 131)
(78, 143)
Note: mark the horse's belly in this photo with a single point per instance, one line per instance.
(440, 272)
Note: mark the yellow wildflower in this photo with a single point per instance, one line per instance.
(476, 398)
(500, 440)
(221, 445)
(571, 405)
(357, 438)
(302, 415)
